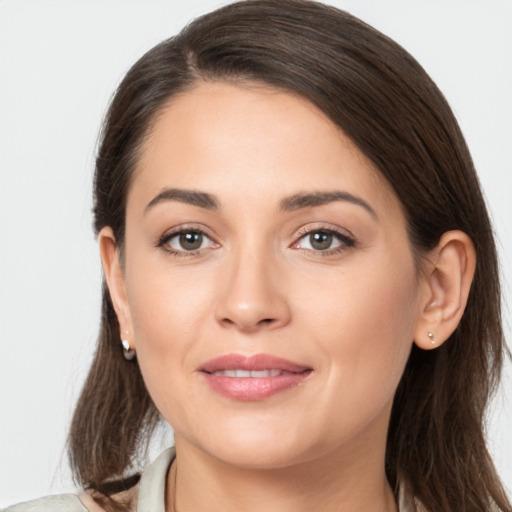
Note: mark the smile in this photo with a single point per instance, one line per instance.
(252, 378)
(244, 374)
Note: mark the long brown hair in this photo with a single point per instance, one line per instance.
(387, 104)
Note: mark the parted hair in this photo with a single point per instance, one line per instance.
(386, 103)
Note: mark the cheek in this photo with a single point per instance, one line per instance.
(164, 303)
(367, 324)
(168, 313)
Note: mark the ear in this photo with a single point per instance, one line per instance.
(446, 280)
(114, 275)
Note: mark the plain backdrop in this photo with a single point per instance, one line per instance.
(60, 61)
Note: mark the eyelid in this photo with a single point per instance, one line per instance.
(311, 227)
(163, 240)
(346, 238)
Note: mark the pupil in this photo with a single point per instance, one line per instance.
(191, 241)
(320, 241)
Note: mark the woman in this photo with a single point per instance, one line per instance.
(301, 275)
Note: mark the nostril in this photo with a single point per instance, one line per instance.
(249, 324)
(251, 306)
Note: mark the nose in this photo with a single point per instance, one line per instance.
(252, 295)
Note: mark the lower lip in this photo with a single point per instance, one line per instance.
(251, 389)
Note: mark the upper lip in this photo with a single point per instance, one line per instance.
(256, 362)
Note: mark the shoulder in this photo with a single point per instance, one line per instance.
(57, 503)
(149, 493)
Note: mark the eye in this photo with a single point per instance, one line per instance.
(324, 240)
(189, 240)
(319, 241)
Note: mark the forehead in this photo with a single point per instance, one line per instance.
(251, 140)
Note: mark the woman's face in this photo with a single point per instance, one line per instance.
(269, 288)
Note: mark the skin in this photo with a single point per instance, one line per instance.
(258, 285)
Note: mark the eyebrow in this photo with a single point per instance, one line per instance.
(192, 197)
(292, 203)
(309, 200)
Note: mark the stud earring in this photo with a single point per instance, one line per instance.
(431, 337)
(128, 352)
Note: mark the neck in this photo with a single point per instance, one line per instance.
(331, 483)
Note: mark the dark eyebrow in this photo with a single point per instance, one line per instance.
(309, 200)
(192, 197)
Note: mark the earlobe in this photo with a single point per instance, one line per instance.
(447, 276)
(114, 276)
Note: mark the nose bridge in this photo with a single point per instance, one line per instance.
(251, 297)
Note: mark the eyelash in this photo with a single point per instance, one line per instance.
(164, 240)
(346, 241)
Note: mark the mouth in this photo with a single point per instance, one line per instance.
(246, 374)
(252, 378)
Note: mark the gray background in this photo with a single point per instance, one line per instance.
(60, 61)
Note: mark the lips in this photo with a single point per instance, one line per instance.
(274, 372)
(252, 378)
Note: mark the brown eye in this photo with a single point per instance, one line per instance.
(191, 241)
(321, 240)
(325, 241)
(187, 241)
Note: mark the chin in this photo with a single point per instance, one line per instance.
(244, 446)
(266, 455)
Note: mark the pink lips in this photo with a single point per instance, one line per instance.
(252, 378)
